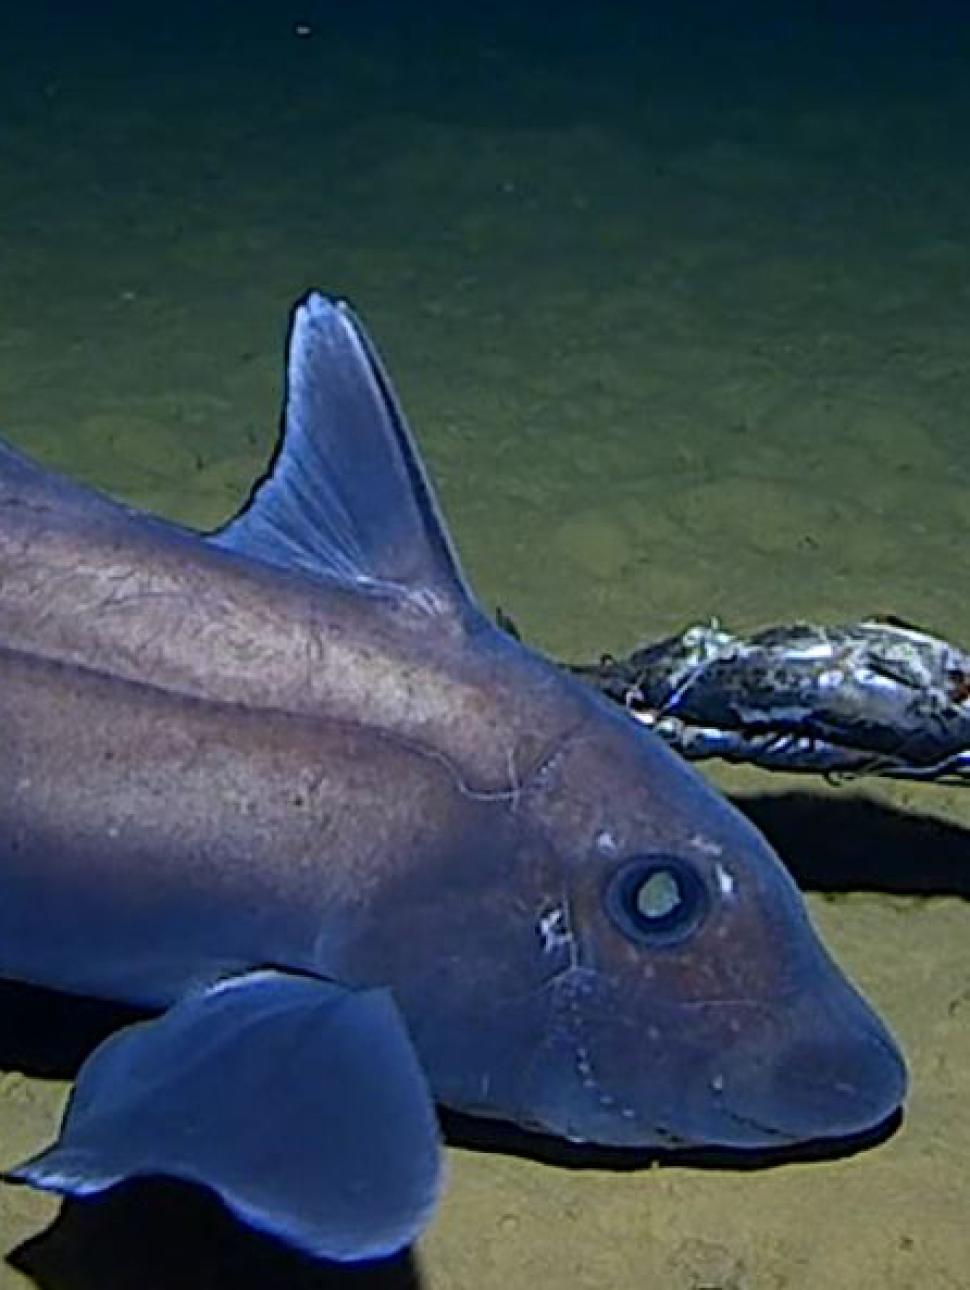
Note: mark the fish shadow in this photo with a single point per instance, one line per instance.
(854, 843)
(156, 1234)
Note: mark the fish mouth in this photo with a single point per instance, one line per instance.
(821, 1087)
(750, 1077)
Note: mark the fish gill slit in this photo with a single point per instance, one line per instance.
(572, 986)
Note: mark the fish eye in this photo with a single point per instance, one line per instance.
(656, 899)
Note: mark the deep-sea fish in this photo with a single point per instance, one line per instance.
(287, 784)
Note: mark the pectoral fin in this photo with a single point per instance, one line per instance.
(300, 1102)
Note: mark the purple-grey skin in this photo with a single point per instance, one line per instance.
(299, 744)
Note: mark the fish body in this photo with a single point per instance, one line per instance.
(296, 756)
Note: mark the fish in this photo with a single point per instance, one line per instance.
(360, 853)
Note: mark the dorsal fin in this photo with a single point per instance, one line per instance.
(346, 496)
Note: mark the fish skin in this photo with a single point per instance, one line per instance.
(265, 747)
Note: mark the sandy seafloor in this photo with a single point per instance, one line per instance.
(680, 313)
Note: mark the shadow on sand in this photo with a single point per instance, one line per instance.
(158, 1235)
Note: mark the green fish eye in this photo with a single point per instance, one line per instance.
(656, 899)
(658, 895)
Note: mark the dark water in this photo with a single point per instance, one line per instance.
(677, 296)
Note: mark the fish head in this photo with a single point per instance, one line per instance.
(691, 1002)
(627, 963)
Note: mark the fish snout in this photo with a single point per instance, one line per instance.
(717, 1074)
(835, 1073)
